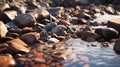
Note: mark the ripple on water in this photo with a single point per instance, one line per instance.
(92, 56)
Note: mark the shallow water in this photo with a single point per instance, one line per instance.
(82, 54)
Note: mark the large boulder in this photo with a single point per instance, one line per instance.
(107, 33)
(25, 20)
(114, 23)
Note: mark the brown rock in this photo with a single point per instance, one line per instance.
(17, 46)
(6, 61)
(114, 23)
(3, 29)
(85, 35)
(27, 29)
(25, 20)
(64, 22)
(30, 38)
(116, 47)
(3, 6)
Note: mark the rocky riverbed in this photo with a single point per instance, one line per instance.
(51, 34)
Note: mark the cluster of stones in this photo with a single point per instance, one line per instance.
(32, 33)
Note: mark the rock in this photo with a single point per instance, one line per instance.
(60, 30)
(13, 35)
(5, 39)
(44, 5)
(56, 11)
(44, 33)
(12, 25)
(53, 40)
(84, 15)
(116, 47)
(107, 33)
(8, 16)
(87, 35)
(3, 6)
(30, 38)
(27, 29)
(17, 46)
(6, 61)
(50, 26)
(114, 23)
(3, 29)
(64, 22)
(25, 20)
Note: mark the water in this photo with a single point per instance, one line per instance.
(82, 54)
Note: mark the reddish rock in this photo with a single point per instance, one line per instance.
(25, 20)
(17, 46)
(3, 29)
(64, 22)
(30, 38)
(6, 61)
(114, 23)
(85, 35)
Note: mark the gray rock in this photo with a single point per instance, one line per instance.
(107, 33)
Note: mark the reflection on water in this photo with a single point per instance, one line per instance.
(84, 55)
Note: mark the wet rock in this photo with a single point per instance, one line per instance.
(37, 29)
(107, 33)
(64, 22)
(39, 60)
(84, 15)
(13, 35)
(30, 38)
(60, 30)
(87, 35)
(74, 20)
(44, 33)
(50, 26)
(114, 23)
(3, 29)
(116, 47)
(53, 40)
(12, 25)
(42, 13)
(5, 39)
(20, 8)
(56, 11)
(33, 5)
(25, 20)
(17, 46)
(27, 29)
(8, 16)
(7, 61)
(44, 5)
(3, 6)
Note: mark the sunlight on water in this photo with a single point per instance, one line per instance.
(84, 55)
